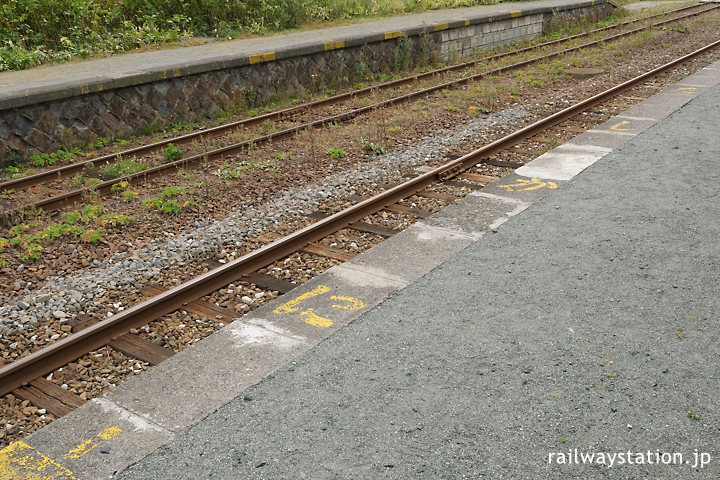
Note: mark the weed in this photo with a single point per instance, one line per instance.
(64, 155)
(372, 147)
(92, 182)
(236, 170)
(120, 186)
(100, 142)
(693, 415)
(172, 153)
(680, 333)
(123, 167)
(128, 196)
(187, 174)
(452, 109)
(282, 156)
(402, 53)
(88, 224)
(78, 180)
(337, 153)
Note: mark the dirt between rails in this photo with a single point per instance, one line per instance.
(306, 160)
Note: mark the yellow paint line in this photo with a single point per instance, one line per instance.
(617, 126)
(20, 461)
(687, 89)
(333, 45)
(354, 303)
(516, 13)
(528, 185)
(261, 57)
(91, 443)
(310, 317)
(393, 34)
(466, 20)
(440, 26)
(292, 305)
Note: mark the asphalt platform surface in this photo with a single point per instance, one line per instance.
(587, 323)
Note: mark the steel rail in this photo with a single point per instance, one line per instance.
(105, 188)
(69, 170)
(74, 346)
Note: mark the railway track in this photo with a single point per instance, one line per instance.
(24, 377)
(105, 187)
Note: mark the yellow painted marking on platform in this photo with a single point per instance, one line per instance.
(617, 126)
(20, 461)
(100, 87)
(466, 20)
(177, 72)
(516, 13)
(690, 90)
(393, 34)
(96, 441)
(355, 304)
(440, 26)
(528, 185)
(335, 44)
(308, 316)
(84, 89)
(292, 305)
(261, 57)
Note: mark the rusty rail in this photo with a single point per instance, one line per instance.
(104, 188)
(69, 170)
(74, 346)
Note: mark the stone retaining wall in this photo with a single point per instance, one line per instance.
(81, 118)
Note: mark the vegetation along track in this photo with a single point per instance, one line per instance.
(14, 204)
(24, 377)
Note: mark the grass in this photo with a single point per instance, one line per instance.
(89, 224)
(172, 200)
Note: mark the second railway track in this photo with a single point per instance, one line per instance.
(61, 200)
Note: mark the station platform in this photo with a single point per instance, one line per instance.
(560, 323)
(73, 105)
(48, 83)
